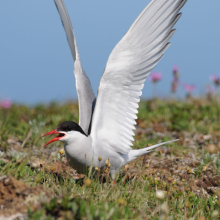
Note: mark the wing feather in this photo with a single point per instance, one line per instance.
(84, 89)
(128, 66)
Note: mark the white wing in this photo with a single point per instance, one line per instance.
(127, 68)
(83, 86)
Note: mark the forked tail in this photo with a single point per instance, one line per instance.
(133, 154)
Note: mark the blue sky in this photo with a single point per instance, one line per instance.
(36, 63)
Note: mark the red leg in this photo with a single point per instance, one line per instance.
(113, 184)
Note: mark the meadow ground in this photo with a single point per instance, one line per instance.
(180, 180)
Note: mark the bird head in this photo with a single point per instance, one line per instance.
(66, 131)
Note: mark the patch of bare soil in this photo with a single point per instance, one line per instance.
(16, 197)
(180, 173)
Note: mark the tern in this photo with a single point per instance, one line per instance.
(107, 123)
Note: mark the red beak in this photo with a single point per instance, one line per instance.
(54, 139)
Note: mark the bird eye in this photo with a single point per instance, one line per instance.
(69, 128)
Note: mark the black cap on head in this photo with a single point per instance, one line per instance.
(69, 126)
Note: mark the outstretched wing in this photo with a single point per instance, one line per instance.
(83, 86)
(128, 66)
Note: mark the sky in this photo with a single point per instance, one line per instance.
(36, 65)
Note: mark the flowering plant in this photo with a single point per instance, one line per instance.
(175, 82)
(189, 88)
(209, 91)
(215, 79)
(155, 77)
(174, 85)
(5, 103)
(176, 72)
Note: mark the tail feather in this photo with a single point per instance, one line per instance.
(133, 154)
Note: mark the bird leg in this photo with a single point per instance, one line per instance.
(113, 184)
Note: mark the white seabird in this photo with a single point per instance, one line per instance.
(106, 124)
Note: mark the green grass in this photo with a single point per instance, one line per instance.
(130, 199)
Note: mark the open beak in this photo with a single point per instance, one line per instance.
(56, 138)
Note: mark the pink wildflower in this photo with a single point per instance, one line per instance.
(215, 79)
(175, 68)
(155, 77)
(189, 88)
(5, 103)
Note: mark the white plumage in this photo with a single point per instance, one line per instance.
(109, 120)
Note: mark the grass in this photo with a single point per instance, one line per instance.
(175, 169)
